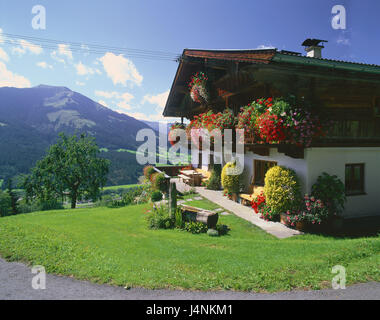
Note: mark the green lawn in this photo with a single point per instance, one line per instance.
(126, 186)
(115, 246)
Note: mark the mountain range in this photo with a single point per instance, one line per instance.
(32, 118)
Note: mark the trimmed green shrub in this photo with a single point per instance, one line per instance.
(5, 204)
(282, 190)
(161, 183)
(160, 218)
(148, 171)
(195, 227)
(222, 229)
(230, 177)
(331, 190)
(156, 196)
(179, 223)
(215, 181)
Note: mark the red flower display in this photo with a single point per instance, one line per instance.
(197, 87)
(172, 136)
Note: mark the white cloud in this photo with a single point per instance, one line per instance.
(159, 99)
(44, 65)
(78, 83)
(143, 116)
(120, 69)
(124, 98)
(54, 56)
(107, 94)
(263, 47)
(10, 79)
(137, 115)
(26, 46)
(65, 51)
(3, 55)
(124, 103)
(1, 37)
(85, 49)
(62, 53)
(103, 103)
(83, 70)
(344, 41)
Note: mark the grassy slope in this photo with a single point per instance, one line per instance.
(126, 186)
(115, 246)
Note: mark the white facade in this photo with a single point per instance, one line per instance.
(331, 161)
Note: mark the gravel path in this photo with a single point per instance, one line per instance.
(16, 283)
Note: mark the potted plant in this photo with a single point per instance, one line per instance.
(230, 179)
(198, 87)
(172, 136)
(312, 214)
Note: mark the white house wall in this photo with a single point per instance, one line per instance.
(333, 161)
(298, 165)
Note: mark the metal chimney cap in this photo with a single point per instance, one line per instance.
(313, 42)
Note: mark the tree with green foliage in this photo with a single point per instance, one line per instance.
(71, 167)
(5, 204)
(214, 183)
(13, 197)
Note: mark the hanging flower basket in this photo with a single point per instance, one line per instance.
(173, 133)
(198, 87)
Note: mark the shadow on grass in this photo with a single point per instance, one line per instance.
(348, 228)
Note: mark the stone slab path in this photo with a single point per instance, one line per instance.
(274, 228)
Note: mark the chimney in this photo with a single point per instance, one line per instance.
(313, 47)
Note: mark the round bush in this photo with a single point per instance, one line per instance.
(153, 178)
(156, 196)
(161, 183)
(230, 177)
(331, 190)
(282, 189)
(214, 183)
(148, 171)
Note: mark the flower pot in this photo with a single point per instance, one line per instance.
(235, 197)
(284, 219)
(301, 225)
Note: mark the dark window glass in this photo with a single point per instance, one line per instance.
(260, 169)
(354, 179)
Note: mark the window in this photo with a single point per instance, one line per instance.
(260, 169)
(354, 179)
(377, 107)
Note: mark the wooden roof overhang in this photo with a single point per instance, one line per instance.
(217, 64)
(243, 75)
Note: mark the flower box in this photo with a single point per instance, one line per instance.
(284, 219)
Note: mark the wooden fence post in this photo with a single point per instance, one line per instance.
(172, 198)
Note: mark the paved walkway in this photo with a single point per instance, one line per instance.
(274, 228)
(16, 284)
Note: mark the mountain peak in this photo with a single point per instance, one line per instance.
(45, 86)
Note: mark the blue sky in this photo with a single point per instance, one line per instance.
(139, 87)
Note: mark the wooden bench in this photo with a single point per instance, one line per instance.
(205, 174)
(184, 178)
(209, 218)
